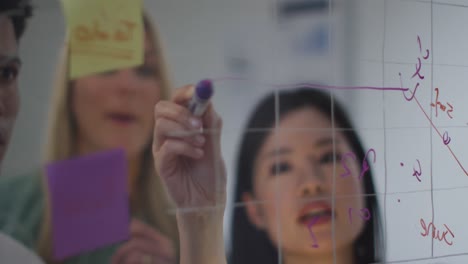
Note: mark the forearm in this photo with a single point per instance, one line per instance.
(201, 237)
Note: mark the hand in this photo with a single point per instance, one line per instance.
(189, 161)
(146, 246)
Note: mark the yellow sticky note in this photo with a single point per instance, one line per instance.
(103, 35)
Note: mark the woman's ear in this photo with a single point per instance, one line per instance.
(253, 211)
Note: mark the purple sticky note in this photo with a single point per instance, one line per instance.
(89, 202)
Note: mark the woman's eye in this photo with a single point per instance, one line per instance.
(145, 71)
(330, 157)
(8, 73)
(279, 168)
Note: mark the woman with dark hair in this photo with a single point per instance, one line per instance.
(287, 180)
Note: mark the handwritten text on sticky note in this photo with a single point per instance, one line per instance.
(103, 35)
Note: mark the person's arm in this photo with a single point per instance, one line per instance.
(194, 175)
(201, 238)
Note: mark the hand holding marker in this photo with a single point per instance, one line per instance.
(197, 106)
(201, 97)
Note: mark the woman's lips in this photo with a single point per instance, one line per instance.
(316, 213)
(122, 119)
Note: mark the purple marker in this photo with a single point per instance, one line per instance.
(201, 97)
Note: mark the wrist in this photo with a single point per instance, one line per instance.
(204, 219)
(201, 236)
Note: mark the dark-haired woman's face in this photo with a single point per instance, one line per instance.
(293, 183)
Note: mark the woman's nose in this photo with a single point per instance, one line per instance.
(311, 179)
(126, 81)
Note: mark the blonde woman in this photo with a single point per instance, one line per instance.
(95, 113)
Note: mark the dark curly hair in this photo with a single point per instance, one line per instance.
(18, 11)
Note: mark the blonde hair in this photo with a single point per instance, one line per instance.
(61, 144)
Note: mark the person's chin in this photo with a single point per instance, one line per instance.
(122, 122)
(319, 237)
(129, 146)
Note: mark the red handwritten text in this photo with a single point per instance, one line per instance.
(435, 234)
(438, 105)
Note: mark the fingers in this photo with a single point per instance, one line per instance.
(145, 241)
(133, 258)
(136, 249)
(140, 229)
(177, 113)
(182, 95)
(177, 130)
(142, 259)
(166, 128)
(172, 148)
(139, 258)
(176, 110)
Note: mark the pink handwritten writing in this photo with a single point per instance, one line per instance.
(312, 85)
(445, 138)
(365, 164)
(438, 105)
(309, 226)
(345, 166)
(420, 49)
(437, 234)
(417, 72)
(364, 213)
(417, 171)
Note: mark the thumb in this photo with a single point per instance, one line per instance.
(183, 94)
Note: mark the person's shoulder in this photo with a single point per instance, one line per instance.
(21, 206)
(14, 187)
(20, 179)
(13, 252)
